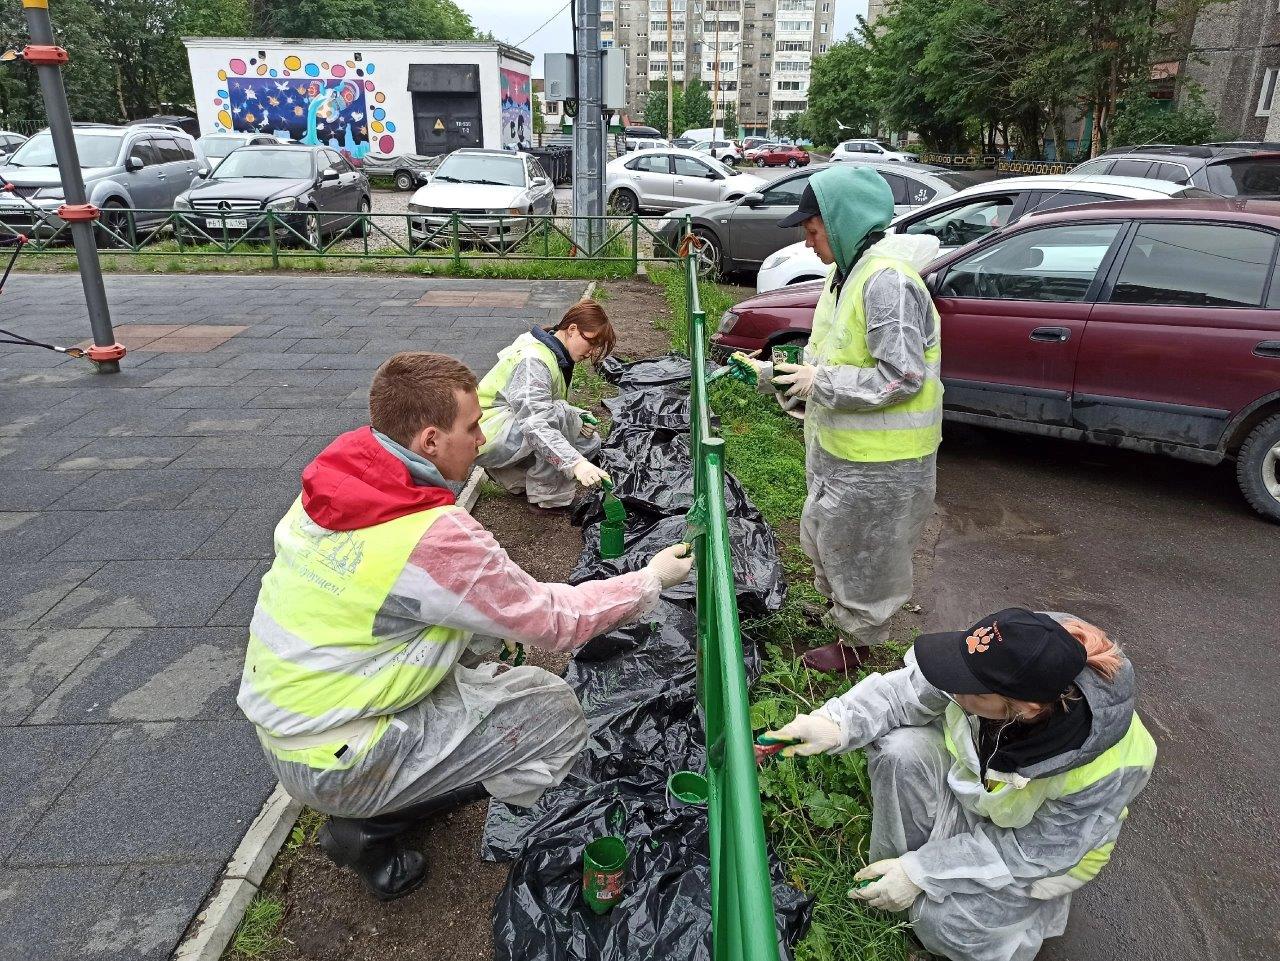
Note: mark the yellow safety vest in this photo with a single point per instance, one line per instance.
(1009, 806)
(315, 659)
(495, 418)
(909, 429)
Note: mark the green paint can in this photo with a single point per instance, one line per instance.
(788, 353)
(686, 789)
(604, 864)
(614, 527)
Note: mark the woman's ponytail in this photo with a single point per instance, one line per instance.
(1103, 654)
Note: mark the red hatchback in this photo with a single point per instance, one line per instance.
(1148, 325)
(778, 155)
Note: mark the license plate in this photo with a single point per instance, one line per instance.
(231, 224)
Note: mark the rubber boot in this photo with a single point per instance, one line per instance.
(372, 847)
(836, 658)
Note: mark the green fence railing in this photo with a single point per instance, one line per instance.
(742, 911)
(282, 235)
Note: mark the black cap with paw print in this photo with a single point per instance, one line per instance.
(1016, 652)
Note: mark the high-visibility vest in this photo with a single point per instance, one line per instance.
(909, 429)
(495, 418)
(1010, 805)
(325, 648)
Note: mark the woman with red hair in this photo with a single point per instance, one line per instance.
(1003, 760)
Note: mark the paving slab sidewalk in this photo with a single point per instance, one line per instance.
(135, 519)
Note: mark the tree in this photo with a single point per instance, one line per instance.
(539, 119)
(697, 105)
(655, 109)
(88, 78)
(1140, 120)
(363, 20)
(839, 92)
(730, 119)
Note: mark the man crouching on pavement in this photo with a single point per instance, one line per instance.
(356, 675)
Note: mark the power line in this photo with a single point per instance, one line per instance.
(544, 25)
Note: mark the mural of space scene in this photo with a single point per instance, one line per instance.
(313, 111)
(517, 111)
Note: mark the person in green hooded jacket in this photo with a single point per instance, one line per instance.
(873, 422)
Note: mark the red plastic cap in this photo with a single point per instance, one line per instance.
(102, 354)
(75, 213)
(45, 56)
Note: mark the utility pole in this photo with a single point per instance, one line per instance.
(671, 75)
(588, 132)
(76, 211)
(715, 82)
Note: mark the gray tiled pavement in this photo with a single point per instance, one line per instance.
(135, 524)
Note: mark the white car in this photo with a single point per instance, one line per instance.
(975, 211)
(724, 150)
(667, 179)
(214, 147)
(632, 144)
(494, 193)
(856, 150)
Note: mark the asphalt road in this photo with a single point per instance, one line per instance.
(1169, 559)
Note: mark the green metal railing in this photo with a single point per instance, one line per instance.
(742, 911)
(354, 235)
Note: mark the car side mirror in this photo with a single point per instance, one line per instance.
(540, 181)
(329, 173)
(753, 200)
(203, 173)
(134, 164)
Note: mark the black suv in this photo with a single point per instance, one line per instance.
(1228, 171)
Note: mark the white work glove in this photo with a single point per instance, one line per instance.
(671, 565)
(894, 891)
(588, 429)
(588, 474)
(798, 378)
(817, 735)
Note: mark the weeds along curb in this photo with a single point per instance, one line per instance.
(214, 928)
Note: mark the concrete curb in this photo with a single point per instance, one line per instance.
(216, 925)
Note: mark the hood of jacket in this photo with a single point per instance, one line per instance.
(918, 250)
(357, 482)
(855, 201)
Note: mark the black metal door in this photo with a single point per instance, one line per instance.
(446, 121)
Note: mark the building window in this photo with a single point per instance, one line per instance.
(822, 48)
(823, 30)
(826, 8)
(796, 26)
(1268, 92)
(793, 45)
(606, 44)
(606, 26)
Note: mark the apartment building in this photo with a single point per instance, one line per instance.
(754, 54)
(1236, 62)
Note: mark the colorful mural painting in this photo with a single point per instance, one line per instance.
(333, 104)
(517, 110)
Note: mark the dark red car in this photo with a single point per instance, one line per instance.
(1148, 325)
(778, 155)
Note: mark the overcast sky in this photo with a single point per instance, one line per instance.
(513, 21)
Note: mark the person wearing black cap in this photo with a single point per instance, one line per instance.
(1003, 760)
(873, 421)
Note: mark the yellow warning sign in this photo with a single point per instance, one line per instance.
(439, 127)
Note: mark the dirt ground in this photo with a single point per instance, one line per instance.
(328, 917)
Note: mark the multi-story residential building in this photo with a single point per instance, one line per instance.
(753, 54)
(1235, 59)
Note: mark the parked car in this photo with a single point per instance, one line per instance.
(188, 125)
(749, 154)
(641, 138)
(975, 211)
(778, 156)
(647, 143)
(666, 179)
(9, 142)
(213, 148)
(859, 150)
(407, 170)
(493, 191)
(315, 189)
(1151, 325)
(751, 143)
(139, 166)
(741, 234)
(1227, 171)
(726, 151)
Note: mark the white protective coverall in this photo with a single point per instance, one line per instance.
(991, 892)
(537, 437)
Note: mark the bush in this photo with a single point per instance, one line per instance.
(1141, 120)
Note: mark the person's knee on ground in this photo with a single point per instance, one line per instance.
(908, 771)
(979, 928)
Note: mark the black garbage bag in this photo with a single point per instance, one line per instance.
(757, 565)
(670, 369)
(655, 407)
(665, 911)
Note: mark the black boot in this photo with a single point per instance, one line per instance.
(371, 846)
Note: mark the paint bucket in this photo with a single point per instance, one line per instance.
(615, 518)
(686, 789)
(604, 863)
(788, 353)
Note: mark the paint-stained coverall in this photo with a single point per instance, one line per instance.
(533, 434)
(997, 853)
(379, 701)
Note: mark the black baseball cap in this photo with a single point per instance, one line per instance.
(1016, 652)
(808, 208)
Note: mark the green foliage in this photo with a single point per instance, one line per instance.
(363, 20)
(697, 106)
(839, 92)
(731, 120)
(1143, 120)
(655, 109)
(539, 118)
(259, 931)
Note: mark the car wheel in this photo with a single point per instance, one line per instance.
(404, 180)
(360, 228)
(313, 237)
(553, 208)
(116, 228)
(1258, 468)
(706, 247)
(624, 202)
(793, 163)
(760, 162)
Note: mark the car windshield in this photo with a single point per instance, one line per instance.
(221, 146)
(284, 164)
(94, 150)
(482, 169)
(958, 180)
(1246, 177)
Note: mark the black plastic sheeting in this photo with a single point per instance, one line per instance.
(638, 689)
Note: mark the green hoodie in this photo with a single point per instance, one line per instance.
(855, 201)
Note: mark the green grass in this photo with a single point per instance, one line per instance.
(817, 810)
(259, 932)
